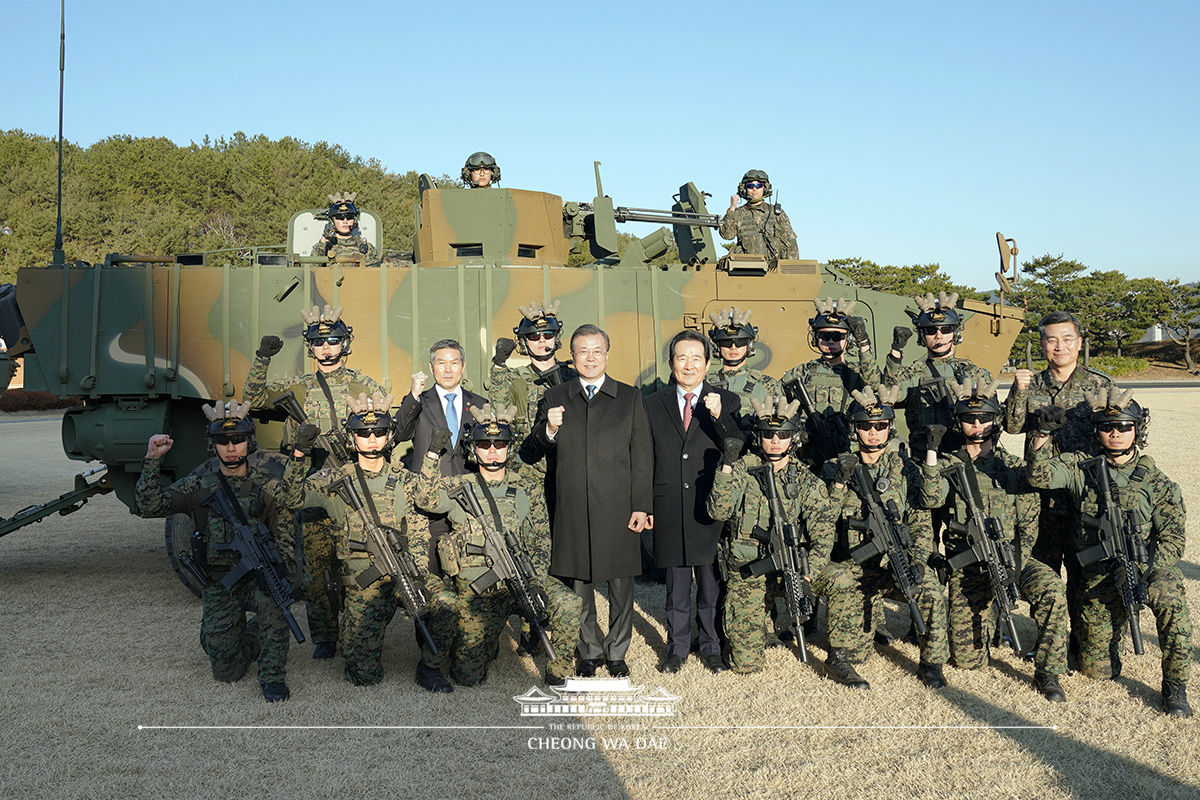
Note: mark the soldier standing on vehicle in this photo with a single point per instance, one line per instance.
(229, 640)
(924, 395)
(322, 395)
(758, 226)
(828, 380)
(480, 171)
(341, 236)
(1143, 510)
(852, 588)
(1005, 496)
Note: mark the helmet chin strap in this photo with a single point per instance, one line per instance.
(372, 454)
(1118, 453)
(737, 363)
(329, 361)
(237, 462)
(872, 448)
(941, 351)
(496, 467)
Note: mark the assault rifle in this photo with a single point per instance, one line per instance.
(259, 554)
(390, 559)
(1119, 542)
(785, 555)
(826, 438)
(508, 562)
(987, 545)
(886, 534)
(337, 453)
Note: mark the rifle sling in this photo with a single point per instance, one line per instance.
(368, 501)
(333, 422)
(491, 501)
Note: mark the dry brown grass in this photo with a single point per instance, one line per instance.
(99, 638)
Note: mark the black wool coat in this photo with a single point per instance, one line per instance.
(602, 468)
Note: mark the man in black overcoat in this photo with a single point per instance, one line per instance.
(689, 422)
(595, 431)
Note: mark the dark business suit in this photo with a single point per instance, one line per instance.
(685, 536)
(603, 468)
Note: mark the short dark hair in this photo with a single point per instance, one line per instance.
(687, 336)
(588, 329)
(447, 344)
(1058, 318)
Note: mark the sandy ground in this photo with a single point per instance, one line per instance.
(107, 694)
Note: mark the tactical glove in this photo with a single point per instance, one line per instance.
(846, 464)
(269, 346)
(933, 436)
(941, 566)
(900, 336)
(1050, 419)
(504, 349)
(918, 571)
(305, 437)
(858, 327)
(439, 440)
(731, 450)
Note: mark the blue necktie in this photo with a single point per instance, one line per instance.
(591, 391)
(452, 419)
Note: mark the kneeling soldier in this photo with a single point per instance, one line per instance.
(992, 525)
(874, 505)
(263, 507)
(1129, 542)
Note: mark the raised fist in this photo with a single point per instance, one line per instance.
(900, 336)
(158, 445)
(1023, 378)
(858, 327)
(504, 349)
(269, 346)
(439, 440)
(731, 450)
(554, 418)
(419, 380)
(712, 401)
(1050, 419)
(305, 437)
(933, 436)
(846, 464)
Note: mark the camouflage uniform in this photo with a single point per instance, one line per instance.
(850, 588)
(353, 245)
(481, 618)
(830, 387)
(745, 382)
(523, 387)
(366, 610)
(224, 634)
(739, 498)
(925, 397)
(747, 223)
(1156, 505)
(1005, 495)
(318, 529)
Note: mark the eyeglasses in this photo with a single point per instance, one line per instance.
(1109, 427)
(332, 341)
(540, 336)
(753, 184)
(230, 438)
(830, 336)
(768, 435)
(977, 419)
(933, 330)
(343, 216)
(378, 433)
(734, 343)
(882, 425)
(491, 444)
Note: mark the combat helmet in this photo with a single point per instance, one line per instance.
(731, 327)
(370, 414)
(831, 313)
(1114, 405)
(777, 416)
(978, 398)
(934, 311)
(230, 419)
(536, 318)
(325, 324)
(754, 175)
(492, 424)
(343, 203)
(873, 405)
(480, 160)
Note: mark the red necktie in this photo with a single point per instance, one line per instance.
(687, 409)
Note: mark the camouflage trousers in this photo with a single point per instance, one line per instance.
(972, 619)
(318, 557)
(1057, 523)
(230, 644)
(481, 619)
(744, 616)
(851, 592)
(780, 620)
(365, 615)
(1103, 621)
(441, 620)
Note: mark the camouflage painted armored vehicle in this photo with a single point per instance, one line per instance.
(144, 340)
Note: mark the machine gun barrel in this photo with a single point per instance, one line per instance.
(661, 217)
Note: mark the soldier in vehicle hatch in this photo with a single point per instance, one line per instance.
(480, 171)
(342, 236)
(758, 226)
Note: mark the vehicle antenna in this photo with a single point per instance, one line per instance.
(59, 256)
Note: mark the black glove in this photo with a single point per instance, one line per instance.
(731, 450)
(504, 349)
(941, 566)
(1050, 419)
(364, 248)
(900, 336)
(858, 327)
(305, 437)
(269, 346)
(918, 571)
(439, 440)
(846, 464)
(933, 436)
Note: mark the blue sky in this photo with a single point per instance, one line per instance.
(899, 132)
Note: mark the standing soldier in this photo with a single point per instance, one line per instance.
(738, 495)
(1128, 543)
(230, 642)
(341, 236)
(734, 337)
(828, 380)
(480, 171)
(998, 479)
(321, 394)
(852, 585)
(539, 336)
(758, 226)
(500, 495)
(386, 492)
(925, 397)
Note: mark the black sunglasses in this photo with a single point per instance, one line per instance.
(977, 419)
(332, 341)
(544, 336)
(882, 425)
(380, 433)
(1109, 427)
(831, 336)
(935, 329)
(230, 438)
(491, 444)
(343, 216)
(753, 184)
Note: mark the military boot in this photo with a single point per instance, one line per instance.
(276, 691)
(839, 668)
(1049, 686)
(1174, 697)
(931, 675)
(430, 678)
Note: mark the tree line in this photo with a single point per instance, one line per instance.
(148, 195)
